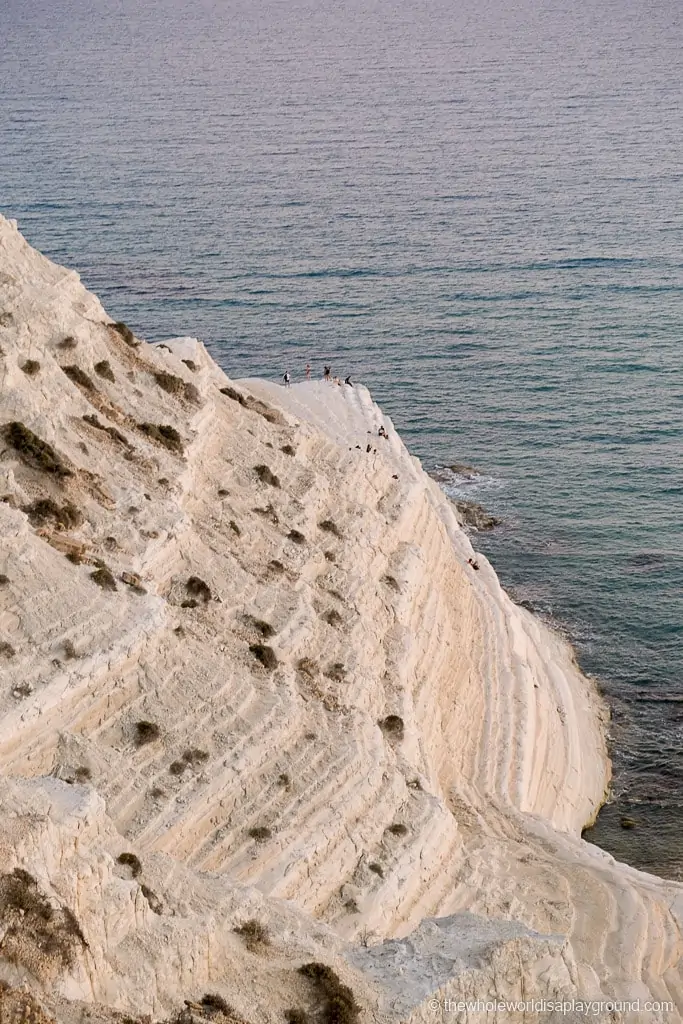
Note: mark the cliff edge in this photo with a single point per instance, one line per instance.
(257, 712)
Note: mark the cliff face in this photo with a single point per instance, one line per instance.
(239, 647)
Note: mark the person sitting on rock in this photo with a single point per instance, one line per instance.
(475, 565)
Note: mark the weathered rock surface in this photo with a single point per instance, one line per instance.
(254, 657)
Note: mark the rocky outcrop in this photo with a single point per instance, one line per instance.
(251, 656)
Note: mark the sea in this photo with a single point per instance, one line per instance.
(475, 208)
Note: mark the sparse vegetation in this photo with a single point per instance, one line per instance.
(163, 434)
(414, 784)
(392, 582)
(376, 869)
(177, 767)
(104, 578)
(68, 343)
(190, 364)
(288, 450)
(197, 588)
(157, 793)
(266, 476)
(222, 492)
(262, 627)
(146, 732)
(330, 556)
(70, 652)
(65, 516)
(155, 904)
(191, 603)
(6, 649)
(297, 1016)
(332, 617)
(336, 672)
(339, 1005)
(82, 774)
(308, 666)
(266, 656)
(37, 935)
(329, 526)
(268, 513)
(173, 385)
(31, 367)
(79, 377)
(275, 566)
(398, 829)
(235, 395)
(125, 332)
(284, 780)
(4, 580)
(34, 451)
(213, 1003)
(130, 860)
(94, 421)
(190, 759)
(254, 933)
(260, 833)
(235, 528)
(392, 725)
(103, 369)
(296, 536)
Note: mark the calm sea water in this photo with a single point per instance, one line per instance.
(475, 208)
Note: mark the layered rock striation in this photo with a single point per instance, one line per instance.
(247, 677)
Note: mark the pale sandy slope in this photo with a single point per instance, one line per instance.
(475, 806)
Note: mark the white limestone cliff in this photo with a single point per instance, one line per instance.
(355, 738)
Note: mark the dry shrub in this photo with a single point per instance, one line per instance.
(308, 667)
(6, 649)
(338, 1003)
(70, 652)
(212, 1003)
(268, 513)
(64, 516)
(329, 526)
(103, 369)
(336, 671)
(4, 580)
(260, 833)
(125, 332)
(94, 421)
(34, 451)
(392, 582)
(392, 725)
(332, 617)
(398, 829)
(68, 343)
(262, 627)
(79, 377)
(31, 367)
(235, 395)
(284, 780)
(288, 450)
(296, 1015)
(266, 476)
(82, 774)
(37, 934)
(190, 364)
(155, 904)
(275, 566)
(265, 655)
(163, 434)
(235, 528)
(254, 933)
(376, 869)
(146, 732)
(296, 536)
(198, 588)
(130, 860)
(104, 578)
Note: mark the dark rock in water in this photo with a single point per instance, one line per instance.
(462, 469)
(475, 516)
(445, 474)
(628, 822)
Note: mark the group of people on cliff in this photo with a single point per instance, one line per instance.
(327, 376)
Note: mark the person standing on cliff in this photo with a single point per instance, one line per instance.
(327, 374)
(286, 378)
(308, 371)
